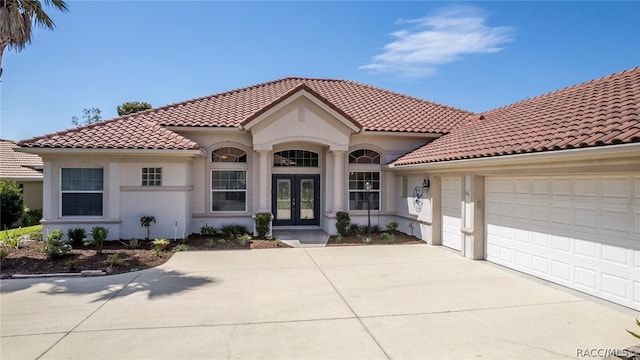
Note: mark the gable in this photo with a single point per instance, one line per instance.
(301, 118)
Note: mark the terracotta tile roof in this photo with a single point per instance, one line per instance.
(17, 165)
(372, 108)
(369, 108)
(601, 112)
(121, 133)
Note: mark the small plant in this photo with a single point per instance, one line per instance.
(636, 335)
(277, 243)
(76, 236)
(207, 230)
(343, 220)
(181, 247)
(392, 226)
(210, 242)
(146, 221)
(71, 264)
(134, 243)
(244, 239)
(339, 239)
(160, 244)
(55, 247)
(263, 223)
(157, 251)
(221, 241)
(385, 236)
(366, 239)
(3, 254)
(233, 230)
(99, 235)
(113, 260)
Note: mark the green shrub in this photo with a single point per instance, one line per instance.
(355, 229)
(55, 247)
(76, 236)
(343, 220)
(233, 230)
(113, 260)
(210, 242)
(32, 217)
(207, 230)
(392, 226)
(243, 240)
(11, 203)
(222, 241)
(263, 223)
(385, 236)
(181, 247)
(99, 235)
(160, 243)
(3, 254)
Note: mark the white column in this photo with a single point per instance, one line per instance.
(263, 171)
(338, 180)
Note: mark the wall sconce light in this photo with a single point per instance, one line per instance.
(426, 184)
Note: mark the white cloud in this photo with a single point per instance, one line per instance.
(444, 37)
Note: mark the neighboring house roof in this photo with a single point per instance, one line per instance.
(369, 108)
(17, 165)
(605, 111)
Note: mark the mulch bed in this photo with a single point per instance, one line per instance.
(30, 258)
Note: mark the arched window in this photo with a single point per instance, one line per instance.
(364, 156)
(295, 158)
(364, 180)
(229, 154)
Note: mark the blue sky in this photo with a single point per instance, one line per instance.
(472, 55)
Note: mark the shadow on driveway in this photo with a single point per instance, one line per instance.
(157, 283)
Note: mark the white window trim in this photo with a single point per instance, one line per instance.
(80, 192)
(245, 190)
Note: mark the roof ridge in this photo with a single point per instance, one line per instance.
(564, 89)
(391, 92)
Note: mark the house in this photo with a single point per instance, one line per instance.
(23, 168)
(549, 186)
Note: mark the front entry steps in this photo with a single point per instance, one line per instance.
(301, 238)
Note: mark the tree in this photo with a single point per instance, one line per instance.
(132, 107)
(17, 18)
(11, 203)
(89, 116)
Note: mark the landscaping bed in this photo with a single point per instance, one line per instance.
(377, 238)
(116, 257)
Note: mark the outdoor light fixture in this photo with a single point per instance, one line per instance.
(426, 184)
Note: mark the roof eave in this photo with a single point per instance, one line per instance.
(85, 151)
(631, 150)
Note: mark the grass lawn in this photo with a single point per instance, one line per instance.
(4, 234)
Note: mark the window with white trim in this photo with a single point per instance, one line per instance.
(81, 191)
(228, 190)
(359, 197)
(151, 176)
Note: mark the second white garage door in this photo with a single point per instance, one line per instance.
(451, 213)
(581, 232)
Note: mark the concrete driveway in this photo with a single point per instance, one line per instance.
(368, 302)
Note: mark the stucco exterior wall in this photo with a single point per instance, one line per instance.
(32, 191)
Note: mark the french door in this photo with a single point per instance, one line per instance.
(296, 199)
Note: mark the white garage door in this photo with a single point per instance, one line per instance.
(581, 232)
(451, 208)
